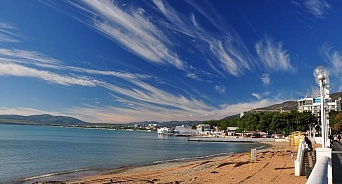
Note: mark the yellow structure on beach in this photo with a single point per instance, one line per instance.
(295, 138)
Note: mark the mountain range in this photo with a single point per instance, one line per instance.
(44, 119)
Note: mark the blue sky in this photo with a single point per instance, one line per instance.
(129, 61)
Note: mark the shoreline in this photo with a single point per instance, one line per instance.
(273, 165)
(75, 175)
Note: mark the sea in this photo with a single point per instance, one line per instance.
(39, 153)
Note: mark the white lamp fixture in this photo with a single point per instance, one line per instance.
(321, 74)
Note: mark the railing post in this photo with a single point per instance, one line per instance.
(299, 160)
(319, 174)
(326, 152)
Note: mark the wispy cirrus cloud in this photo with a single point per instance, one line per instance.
(25, 111)
(334, 59)
(157, 40)
(317, 7)
(257, 95)
(142, 100)
(228, 57)
(28, 57)
(266, 79)
(6, 33)
(273, 56)
(19, 63)
(22, 63)
(221, 89)
(226, 52)
(260, 96)
(7, 69)
(132, 29)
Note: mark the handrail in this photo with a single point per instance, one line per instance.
(299, 159)
(319, 174)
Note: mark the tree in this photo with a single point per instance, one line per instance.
(337, 126)
(332, 117)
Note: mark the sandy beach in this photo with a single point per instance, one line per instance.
(272, 165)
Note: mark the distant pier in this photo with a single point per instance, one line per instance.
(230, 139)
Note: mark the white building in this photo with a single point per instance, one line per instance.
(313, 105)
(203, 128)
(231, 130)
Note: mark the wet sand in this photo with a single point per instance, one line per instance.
(272, 165)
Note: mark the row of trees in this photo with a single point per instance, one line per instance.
(276, 122)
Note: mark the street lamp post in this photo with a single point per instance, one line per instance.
(321, 74)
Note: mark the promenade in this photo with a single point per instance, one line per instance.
(337, 163)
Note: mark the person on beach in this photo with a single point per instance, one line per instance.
(308, 142)
(331, 140)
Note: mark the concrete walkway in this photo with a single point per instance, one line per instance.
(337, 163)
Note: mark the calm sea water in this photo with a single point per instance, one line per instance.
(37, 151)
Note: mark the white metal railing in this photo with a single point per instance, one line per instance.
(299, 159)
(319, 174)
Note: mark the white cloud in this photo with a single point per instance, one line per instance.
(135, 31)
(177, 21)
(272, 55)
(221, 89)
(261, 96)
(227, 52)
(6, 33)
(123, 75)
(24, 111)
(266, 93)
(22, 71)
(192, 75)
(28, 57)
(132, 30)
(4, 25)
(20, 63)
(317, 7)
(257, 95)
(334, 59)
(225, 56)
(266, 79)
